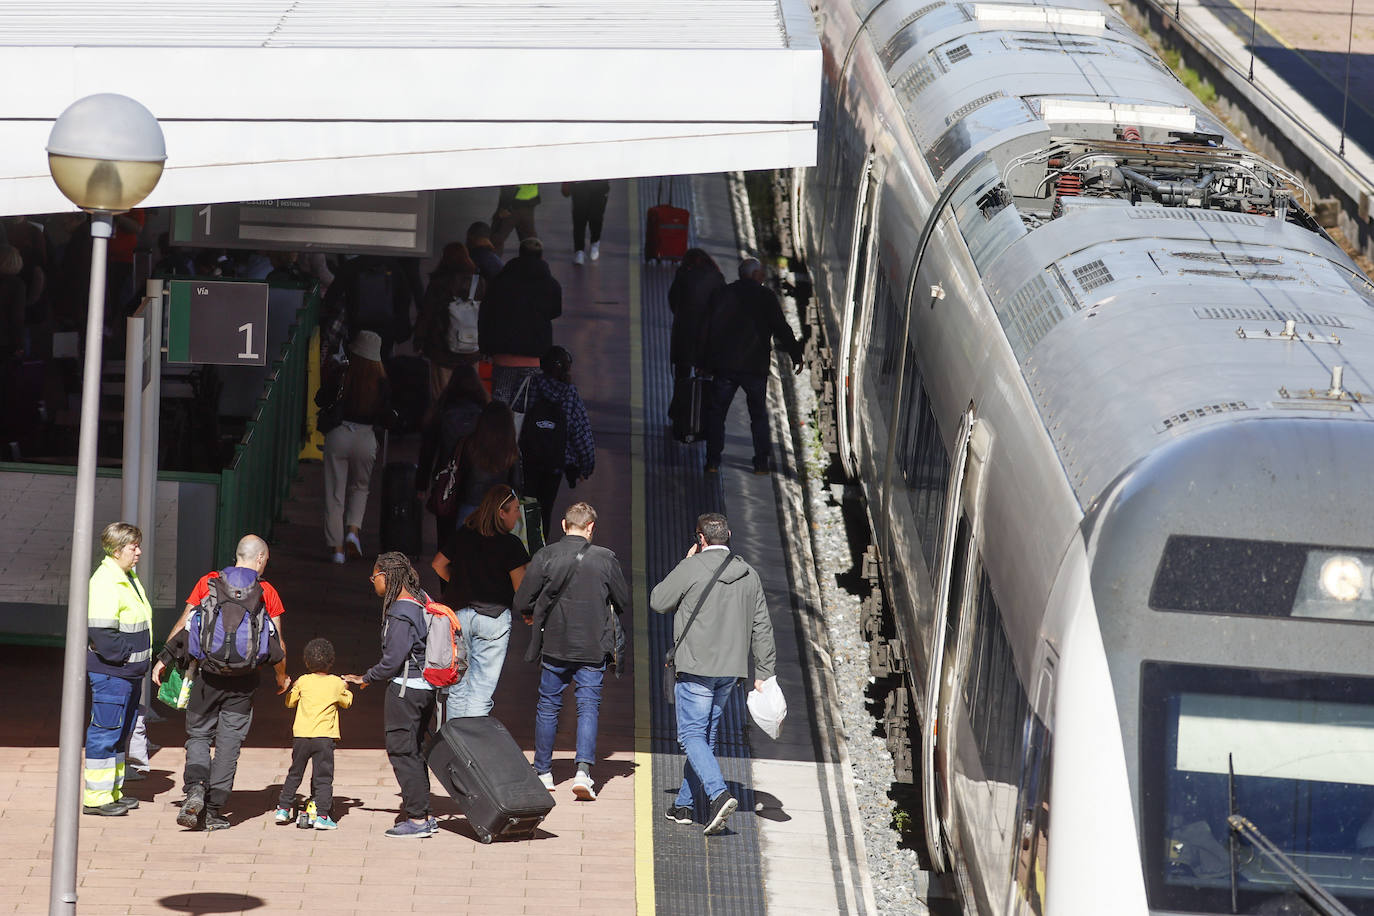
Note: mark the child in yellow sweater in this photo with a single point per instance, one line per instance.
(317, 698)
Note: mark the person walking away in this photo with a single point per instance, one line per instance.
(482, 566)
(119, 631)
(556, 440)
(488, 456)
(452, 279)
(359, 397)
(745, 318)
(514, 210)
(697, 281)
(482, 251)
(713, 639)
(451, 420)
(410, 699)
(588, 210)
(221, 704)
(568, 595)
(515, 322)
(317, 698)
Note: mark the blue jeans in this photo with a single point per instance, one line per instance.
(700, 705)
(554, 676)
(486, 639)
(723, 388)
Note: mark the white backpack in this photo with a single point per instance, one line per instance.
(462, 321)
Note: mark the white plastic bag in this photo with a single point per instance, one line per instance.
(768, 707)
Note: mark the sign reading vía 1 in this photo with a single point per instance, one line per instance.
(217, 322)
(399, 223)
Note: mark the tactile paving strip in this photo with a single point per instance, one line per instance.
(693, 874)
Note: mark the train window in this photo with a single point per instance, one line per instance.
(993, 694)
(1301, 746)
(921, 455)
(1032, 837)
(1214, 575)
(887, 323)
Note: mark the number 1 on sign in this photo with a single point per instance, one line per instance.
(205, 212)
(247, 330)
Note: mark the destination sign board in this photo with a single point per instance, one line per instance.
(399, 224)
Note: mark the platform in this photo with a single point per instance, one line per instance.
(794, 846)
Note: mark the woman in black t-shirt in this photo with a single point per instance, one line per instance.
(482, 565)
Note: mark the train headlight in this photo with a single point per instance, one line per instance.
(1342, 578)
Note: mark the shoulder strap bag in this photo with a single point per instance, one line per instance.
(669, 667)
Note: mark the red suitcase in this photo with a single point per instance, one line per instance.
(666, 234)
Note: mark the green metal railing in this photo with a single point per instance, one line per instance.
(258, 478)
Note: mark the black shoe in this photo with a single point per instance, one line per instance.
(722, 806)
(680, 814)
(214, 821)
(109, 809)
(128, 801)
(189, 816)
(133, 775)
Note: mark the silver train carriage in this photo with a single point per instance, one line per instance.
(1106, 387)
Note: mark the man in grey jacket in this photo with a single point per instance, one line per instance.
(569, 594)
(712, 654)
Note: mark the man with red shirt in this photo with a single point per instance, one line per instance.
(221, 706)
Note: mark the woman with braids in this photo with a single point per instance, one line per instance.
(483, 564)
(409, 697)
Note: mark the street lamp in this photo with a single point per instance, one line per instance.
(105, 153)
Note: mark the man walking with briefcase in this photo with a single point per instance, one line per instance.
(722, 619)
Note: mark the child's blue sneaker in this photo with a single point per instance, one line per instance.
(282, 816)
(325, 823)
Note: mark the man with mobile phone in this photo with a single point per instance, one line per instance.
(723, 599)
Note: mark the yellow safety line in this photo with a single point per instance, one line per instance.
(644, 778)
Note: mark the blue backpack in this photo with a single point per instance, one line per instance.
(231, 632)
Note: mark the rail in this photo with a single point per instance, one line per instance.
(257, 479)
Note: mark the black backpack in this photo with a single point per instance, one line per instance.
(373, 299)
(544, 438)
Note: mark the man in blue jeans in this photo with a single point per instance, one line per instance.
(718, 597)
(570, 593)
(743, 321)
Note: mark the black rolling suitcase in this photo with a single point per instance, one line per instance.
(686, 408)
(401, 516)
(485, 772)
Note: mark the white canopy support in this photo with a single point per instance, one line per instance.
(273, 98)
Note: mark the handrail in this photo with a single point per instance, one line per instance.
(257, 480)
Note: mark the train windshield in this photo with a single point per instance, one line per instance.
(1302, 749)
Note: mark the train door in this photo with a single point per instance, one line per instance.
(1033, 801)
(958, 550)
(857, 308)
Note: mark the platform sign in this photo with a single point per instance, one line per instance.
(399, 224)
(217, 322)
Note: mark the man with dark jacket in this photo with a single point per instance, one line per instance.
(711, 656)
(571, 593)
(515, 322)
(745, 319)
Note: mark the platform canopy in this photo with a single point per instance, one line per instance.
(311, 98)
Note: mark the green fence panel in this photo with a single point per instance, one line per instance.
(257, 481)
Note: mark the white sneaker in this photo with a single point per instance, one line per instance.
(546, 780)
(338, 558)
(352, 544)
(596, 250)
(582, 787)
(579, 257)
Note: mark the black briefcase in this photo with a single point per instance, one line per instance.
(685, 409)
(485, 772)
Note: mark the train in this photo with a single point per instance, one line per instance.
(1105, 386)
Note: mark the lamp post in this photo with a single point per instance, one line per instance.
(105, 153)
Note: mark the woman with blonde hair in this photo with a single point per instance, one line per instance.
(354, 402)
(482, 565)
